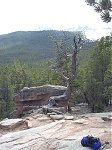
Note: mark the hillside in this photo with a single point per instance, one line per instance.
(32, 46)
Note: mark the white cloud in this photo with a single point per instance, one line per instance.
(56, 14)
(96, 34)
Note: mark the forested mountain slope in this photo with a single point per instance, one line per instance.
(33, 46)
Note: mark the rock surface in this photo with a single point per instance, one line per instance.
(29, 98)
(56, 117)
(66, 117)
(10, 123)
(58, 135)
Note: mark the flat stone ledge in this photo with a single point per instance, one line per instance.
(11, 123)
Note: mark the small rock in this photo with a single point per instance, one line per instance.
(56, 117)
(80, 121)
(106, 118)
(68, 114)
(10, 123)
(68, 117)
(53, 113)
(28, 124)
(84, 117)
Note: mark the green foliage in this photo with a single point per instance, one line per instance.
(98, 83)
(6, 91)
(31, 47)
(94, 78)
(104, 7)
(93, 83)
(18, 75)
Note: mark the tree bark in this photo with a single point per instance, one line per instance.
(85, 95)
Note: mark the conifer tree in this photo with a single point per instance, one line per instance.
(104, 7)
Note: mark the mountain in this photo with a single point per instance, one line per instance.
(32, 46)
(80, 28)
(92, 33)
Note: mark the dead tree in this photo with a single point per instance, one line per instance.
(65, 98)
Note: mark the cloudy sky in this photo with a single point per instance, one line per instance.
(27, 15)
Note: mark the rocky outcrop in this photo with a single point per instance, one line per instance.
(58, 135)
(29, 98)
(31, 93)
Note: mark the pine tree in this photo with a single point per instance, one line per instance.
(104, 7)
(98, 84)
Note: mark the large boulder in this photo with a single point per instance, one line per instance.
(53, 90)
(28, 98)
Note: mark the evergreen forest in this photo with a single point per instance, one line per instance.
(29, 59)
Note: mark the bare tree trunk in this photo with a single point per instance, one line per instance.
(72, 74)
(85, 95)
(74, 59)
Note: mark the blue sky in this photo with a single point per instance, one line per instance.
(28, 15)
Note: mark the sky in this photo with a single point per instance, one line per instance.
(33, 15)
